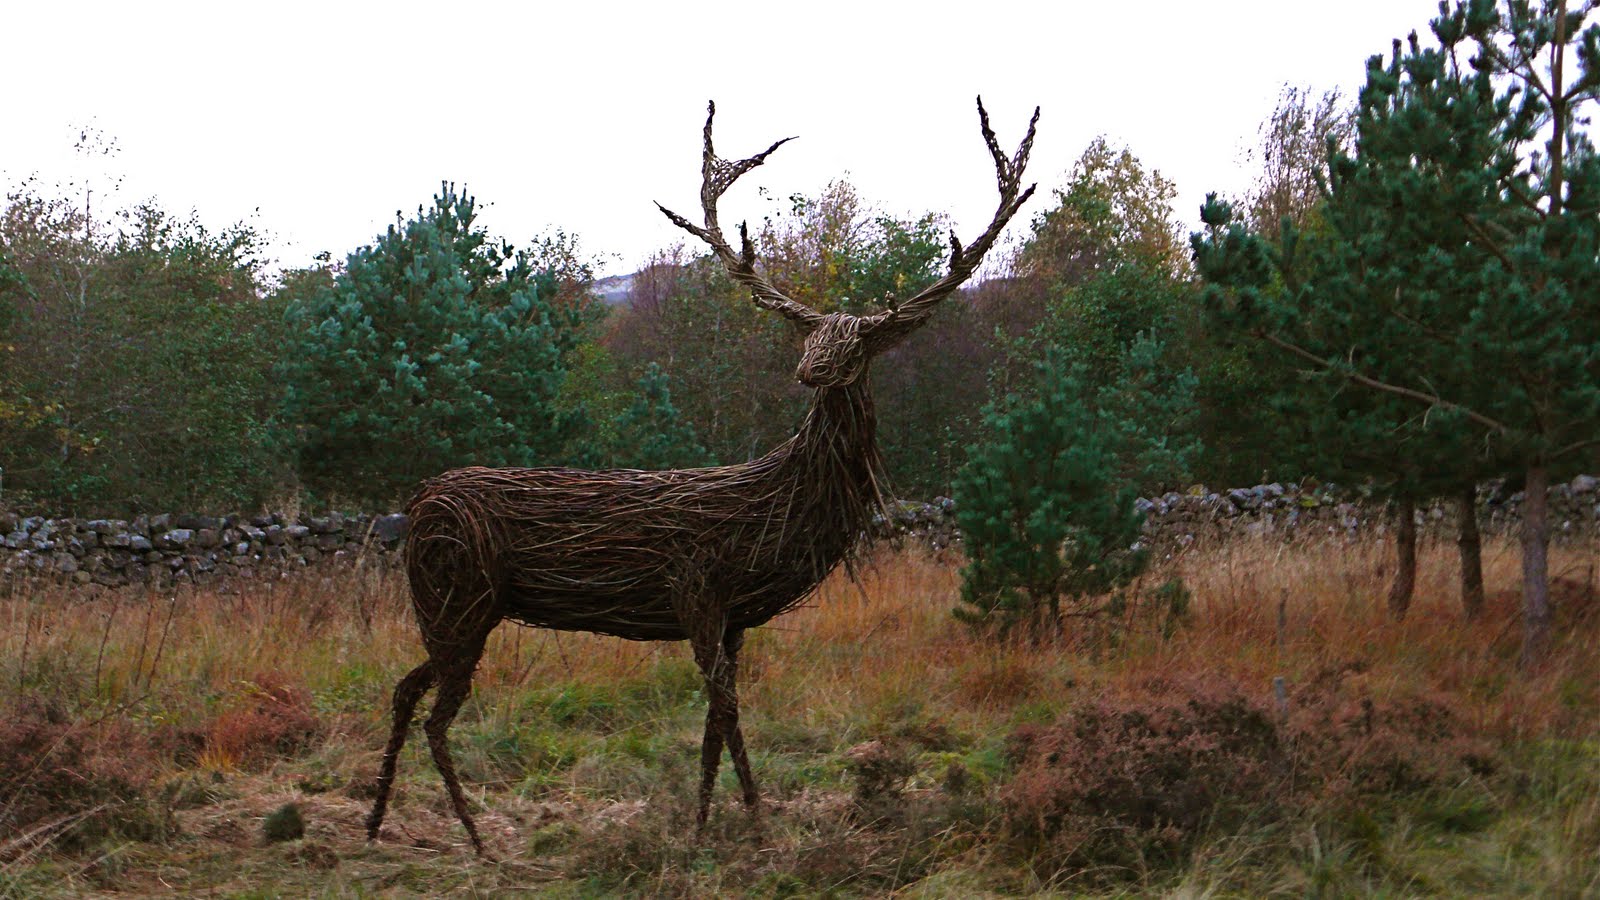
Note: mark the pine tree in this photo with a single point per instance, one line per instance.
(435, 347)
(1462, 244)
(650, 434)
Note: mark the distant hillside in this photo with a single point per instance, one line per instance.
(613, 290)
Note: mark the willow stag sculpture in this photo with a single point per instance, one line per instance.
(687, 554)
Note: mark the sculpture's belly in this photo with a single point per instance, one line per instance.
(636, 618)
(643, 609)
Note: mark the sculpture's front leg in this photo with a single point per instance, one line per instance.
(706, 639)
(710, 758)
(734, 736)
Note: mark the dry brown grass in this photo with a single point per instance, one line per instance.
(239, 701)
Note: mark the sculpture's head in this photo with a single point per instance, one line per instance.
(838, 346)
(833, 355)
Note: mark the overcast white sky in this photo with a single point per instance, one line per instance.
(328, 117)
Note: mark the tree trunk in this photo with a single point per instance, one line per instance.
(1405, 573)
(1471, 544)
(1535, 566)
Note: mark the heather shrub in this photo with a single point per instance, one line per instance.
(650, 847)
(1349, 745)
(1130, 782)
(284, 824)
(880, 770)
(1123, 784)
(73, 782)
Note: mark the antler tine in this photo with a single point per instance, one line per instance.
(1020, 160)
(1001, 164)
(889, 327)
(717, 175)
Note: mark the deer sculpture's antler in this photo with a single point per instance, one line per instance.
(717, 175)
(883, 330)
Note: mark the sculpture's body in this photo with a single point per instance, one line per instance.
(770, 530)
(689, 554)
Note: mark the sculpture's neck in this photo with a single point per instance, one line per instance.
(842, 417)
(835, 455)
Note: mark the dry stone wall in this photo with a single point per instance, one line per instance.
(1290, 510)
(163, 550)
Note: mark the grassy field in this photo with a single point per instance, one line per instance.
(151, 742)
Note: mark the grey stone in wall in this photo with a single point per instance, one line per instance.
(391, 528)
(174, 539)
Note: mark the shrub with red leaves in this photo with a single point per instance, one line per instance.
(273, 719)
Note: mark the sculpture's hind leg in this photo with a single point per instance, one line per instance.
(406, 696)
(455, 681)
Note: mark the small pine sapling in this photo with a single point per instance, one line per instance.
(1047, 506)
(650, 434)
